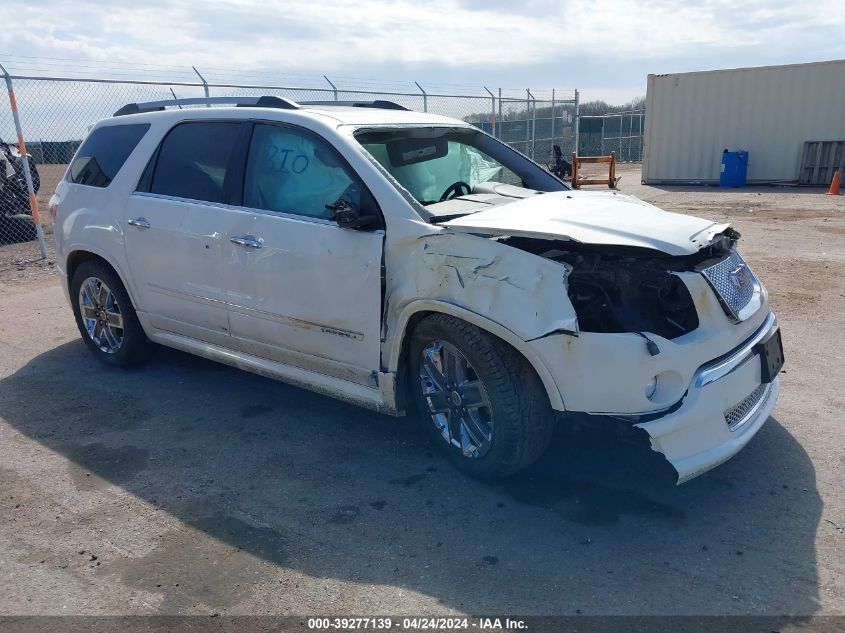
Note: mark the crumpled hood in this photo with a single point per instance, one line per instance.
(593, 217)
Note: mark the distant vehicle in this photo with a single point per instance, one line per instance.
(15, 215)
(400, 261)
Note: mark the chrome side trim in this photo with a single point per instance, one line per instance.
(260, 314)
(721, 367)
(294, 322)
(180, 294)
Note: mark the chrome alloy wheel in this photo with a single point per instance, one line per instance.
(101, 315)
(456, 399)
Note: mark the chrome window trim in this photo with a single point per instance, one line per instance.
(232, 207)
(721, 367)
(286, 215)
(161, 196)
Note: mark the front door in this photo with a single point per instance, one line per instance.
(301, 289)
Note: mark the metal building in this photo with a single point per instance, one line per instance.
(769, 111)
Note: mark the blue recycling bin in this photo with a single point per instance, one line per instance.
(734, 169)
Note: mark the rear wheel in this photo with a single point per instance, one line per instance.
(481, 401)
(105, 316)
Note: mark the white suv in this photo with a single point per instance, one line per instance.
(395, 259)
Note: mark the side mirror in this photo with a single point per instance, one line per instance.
(347, 215)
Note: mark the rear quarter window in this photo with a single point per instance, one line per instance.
(104, 152)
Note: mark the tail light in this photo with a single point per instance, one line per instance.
(54, 210)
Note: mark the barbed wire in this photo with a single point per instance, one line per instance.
(82, 68)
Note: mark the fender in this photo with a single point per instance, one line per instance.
(428, 305)
(88, 248)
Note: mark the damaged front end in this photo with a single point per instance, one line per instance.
(659, 334)
(650, 325)
(629, 289)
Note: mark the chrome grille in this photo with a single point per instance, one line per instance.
(733, 281)
(740, 413)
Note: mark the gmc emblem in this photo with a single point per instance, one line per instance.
(740, 276)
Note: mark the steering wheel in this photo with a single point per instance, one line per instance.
(454, 190)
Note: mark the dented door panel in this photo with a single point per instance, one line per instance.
(309, 296)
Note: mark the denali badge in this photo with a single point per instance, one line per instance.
(740, 276)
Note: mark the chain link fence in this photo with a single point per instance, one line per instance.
(620, 132)
(56, 113)
(16, 223)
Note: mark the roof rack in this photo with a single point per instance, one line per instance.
(380, 104)
(244, 102)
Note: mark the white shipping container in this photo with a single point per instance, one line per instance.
(769, 112)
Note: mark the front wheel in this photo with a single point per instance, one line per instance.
(481, 401)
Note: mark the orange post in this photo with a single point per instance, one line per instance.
(33, 201)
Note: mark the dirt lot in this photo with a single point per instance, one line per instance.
(189, 487)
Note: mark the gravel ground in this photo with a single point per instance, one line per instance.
(21, 263)
(186, 487)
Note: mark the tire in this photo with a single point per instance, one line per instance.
(107, 304)
(516, 411)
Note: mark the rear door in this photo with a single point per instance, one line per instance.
(174, 244)
(302, 290)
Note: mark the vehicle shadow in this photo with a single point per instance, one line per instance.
(283, 480)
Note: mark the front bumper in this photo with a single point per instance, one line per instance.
(726, 404)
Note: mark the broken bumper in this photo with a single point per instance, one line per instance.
(725, 406)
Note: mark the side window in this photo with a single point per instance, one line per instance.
(294, 172)
(104, 152)
(193, 160)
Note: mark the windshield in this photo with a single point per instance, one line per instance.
(435, 164)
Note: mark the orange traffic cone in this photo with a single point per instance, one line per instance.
(834, 185)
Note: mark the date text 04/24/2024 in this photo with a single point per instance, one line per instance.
(417, 623)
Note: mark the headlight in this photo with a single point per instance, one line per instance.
(630, 298)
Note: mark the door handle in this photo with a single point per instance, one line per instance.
(141, 223)
(246, 240)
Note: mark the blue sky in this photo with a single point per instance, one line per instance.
(605, 48)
